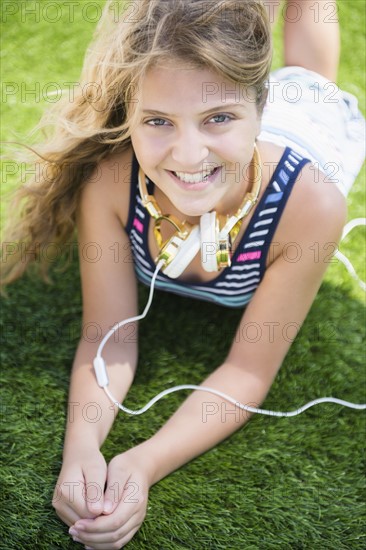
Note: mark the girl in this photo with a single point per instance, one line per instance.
(217, 182)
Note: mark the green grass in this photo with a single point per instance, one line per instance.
(275, 484)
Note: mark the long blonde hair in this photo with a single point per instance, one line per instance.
(230, 37)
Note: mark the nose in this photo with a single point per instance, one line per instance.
(189, 149)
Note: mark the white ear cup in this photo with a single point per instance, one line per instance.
(209, 238)
(187, 251)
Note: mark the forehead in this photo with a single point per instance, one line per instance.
(166, 87)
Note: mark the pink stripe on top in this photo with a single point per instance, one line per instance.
(138, 225)
(255, 255)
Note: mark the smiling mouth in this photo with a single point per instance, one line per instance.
(197, 177)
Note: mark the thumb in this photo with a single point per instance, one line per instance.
(116, 480)
(95, 475)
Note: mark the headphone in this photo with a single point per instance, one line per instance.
(214, 236)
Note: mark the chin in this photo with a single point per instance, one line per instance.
(190, 212)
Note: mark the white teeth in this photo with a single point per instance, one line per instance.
(194, 178)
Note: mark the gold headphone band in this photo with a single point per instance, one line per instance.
(148, 201)
(182, 228)
(153, 208)
(233, 223)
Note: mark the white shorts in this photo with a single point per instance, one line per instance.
(312, 115)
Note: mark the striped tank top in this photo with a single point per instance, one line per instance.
(235, 285)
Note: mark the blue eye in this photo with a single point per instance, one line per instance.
(219, 119)
(156, 122)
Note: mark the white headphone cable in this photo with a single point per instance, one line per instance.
(342, 258)
(103, 381)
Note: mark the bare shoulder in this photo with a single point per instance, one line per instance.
(318, 202)
(316, 212)
(109, 184)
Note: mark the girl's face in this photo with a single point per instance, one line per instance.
(195, 138)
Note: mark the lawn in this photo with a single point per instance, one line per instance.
(278, 483)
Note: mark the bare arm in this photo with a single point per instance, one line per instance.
(316, 214)
(109, 294)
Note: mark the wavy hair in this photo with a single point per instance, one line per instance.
(230, 37)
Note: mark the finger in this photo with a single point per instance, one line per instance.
(68, 516)
(117, 526)
(69, 504)
(109, 524)
(103, 541)
(70, 494)
(117, 481)
(93, 492)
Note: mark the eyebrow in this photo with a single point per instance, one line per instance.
(221, 107)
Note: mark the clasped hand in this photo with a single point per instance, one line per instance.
(103, 505)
